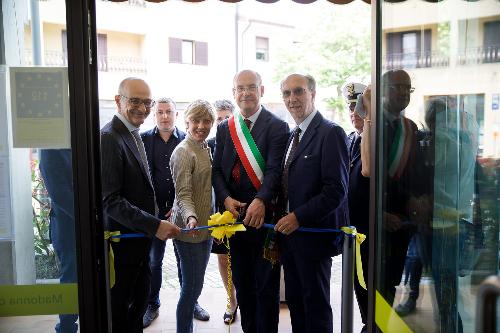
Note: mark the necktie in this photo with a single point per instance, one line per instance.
(235, 172)
(354, 151)
(144, 159)
(284, 178)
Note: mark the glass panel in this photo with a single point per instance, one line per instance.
(437, 228)
(38, 278)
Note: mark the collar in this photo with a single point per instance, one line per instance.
(253, 118)
(305, 123)
(125, 122)
(175, 131)
(192, 141)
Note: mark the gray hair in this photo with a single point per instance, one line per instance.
(224, 104)
(311, 82)
(166, 100)
(257, 75)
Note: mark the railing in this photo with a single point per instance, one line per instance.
(479, 55)
(416, 60)
(104, 63)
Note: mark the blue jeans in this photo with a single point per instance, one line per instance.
(193, 258)
(57, 173)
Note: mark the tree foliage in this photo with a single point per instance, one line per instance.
(334, 48)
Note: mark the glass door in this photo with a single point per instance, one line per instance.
(438, 166)
(51, 249)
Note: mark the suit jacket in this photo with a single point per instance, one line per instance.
(128, 195)
(270, 135)
(359, 187)
(317, 186)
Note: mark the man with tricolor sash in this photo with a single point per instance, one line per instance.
(314, 195)
(246, 175)
(400, 176)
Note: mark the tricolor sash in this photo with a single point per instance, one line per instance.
(247, 150)
(400, 148)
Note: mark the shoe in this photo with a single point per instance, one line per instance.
(406, 308)
(229, 318)
(150, 315)
(200, 313)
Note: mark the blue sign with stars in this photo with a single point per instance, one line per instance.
(39, 95)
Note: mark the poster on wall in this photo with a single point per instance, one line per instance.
(40, 107)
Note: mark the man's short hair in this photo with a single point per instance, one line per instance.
(224, 105)
(311, 82)
(166, 100)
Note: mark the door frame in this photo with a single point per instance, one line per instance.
(93, 300)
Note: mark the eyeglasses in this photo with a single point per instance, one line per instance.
(136, 102)
(296, 91)
(251, 89)
(402, 87)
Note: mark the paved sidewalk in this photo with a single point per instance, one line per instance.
(213, 299)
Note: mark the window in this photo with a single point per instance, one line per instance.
(409, 49)
(182, 51)
(492, 41)
(262, 48)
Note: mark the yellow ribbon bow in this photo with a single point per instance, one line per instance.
(359, 265)
(224, 231)
(111, 256)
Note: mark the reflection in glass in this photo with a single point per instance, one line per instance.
(438, 239)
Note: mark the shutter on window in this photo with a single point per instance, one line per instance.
(201, 53)
(175, 50)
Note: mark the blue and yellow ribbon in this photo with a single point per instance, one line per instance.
(359, 265)
(113, 236)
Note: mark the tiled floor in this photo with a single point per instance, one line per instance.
(213, 299)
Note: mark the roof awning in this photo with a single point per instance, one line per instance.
(337, 2)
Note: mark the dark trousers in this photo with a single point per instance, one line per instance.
(361, 293)
(396, 247)
(256, 282)
(307, 280)
(156, 261)
(129, 296)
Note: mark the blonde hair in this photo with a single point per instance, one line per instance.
(200, 109)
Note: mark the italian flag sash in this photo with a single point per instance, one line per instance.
(400, 148)
(247, 150)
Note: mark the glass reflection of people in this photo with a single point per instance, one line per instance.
(224, 109)
(359, 189)
(57, 173)
(400, 137)
(454, 145)
(191, 168)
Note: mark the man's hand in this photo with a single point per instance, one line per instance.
(169, 213)
(255, 214)
(367, 104)
(287, 224)
(233, 206)
(167, 230)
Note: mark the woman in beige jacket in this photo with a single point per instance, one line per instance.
(191, 168)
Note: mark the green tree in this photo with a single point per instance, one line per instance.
(334, 49)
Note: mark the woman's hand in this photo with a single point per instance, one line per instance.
(192, 222)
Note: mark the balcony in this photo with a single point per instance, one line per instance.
(479, 55)
(416, 60)
(105, 63)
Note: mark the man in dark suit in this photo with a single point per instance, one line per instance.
(129, 204)
(314, 195)
(239, 184)
(359, 189)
